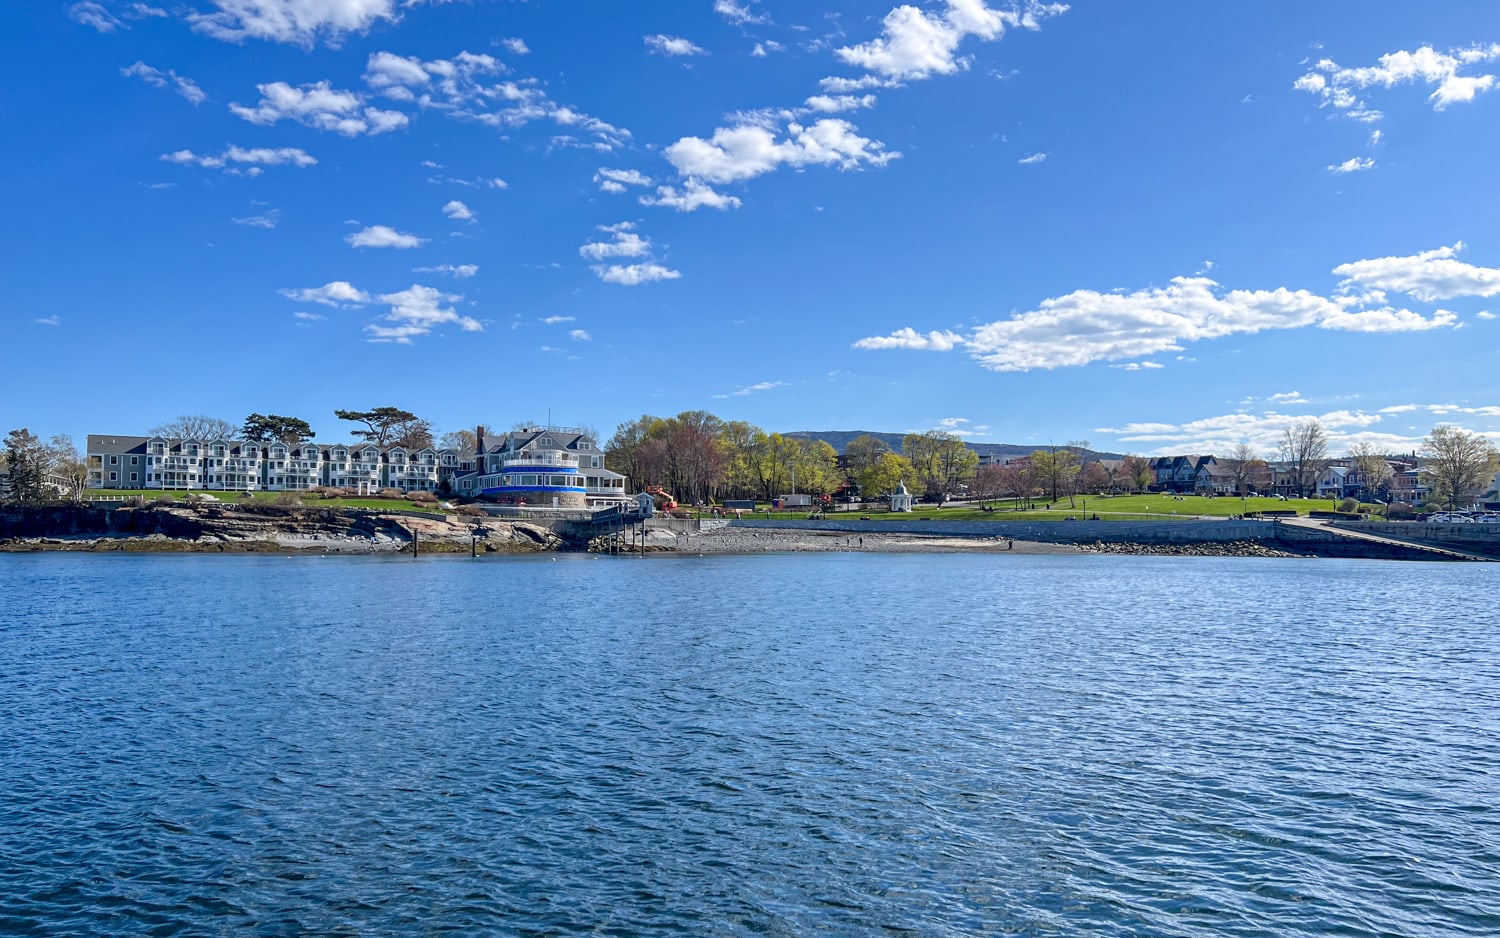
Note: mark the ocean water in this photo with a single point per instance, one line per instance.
(837, 744)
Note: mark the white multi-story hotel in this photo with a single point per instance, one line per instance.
(141, 462)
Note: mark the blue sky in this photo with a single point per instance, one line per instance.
(1161, 227)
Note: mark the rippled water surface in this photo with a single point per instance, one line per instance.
(783, 745)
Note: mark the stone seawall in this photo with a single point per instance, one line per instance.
(1054, 532)
(1483, 539)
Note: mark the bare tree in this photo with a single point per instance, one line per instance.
(1374, 470)
(1456, 464)
(988, 482)
(1137, 472)
(1304, 449)
(196, 427)
(67, 464)
(1245, 467)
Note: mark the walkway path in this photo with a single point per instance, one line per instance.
(1439, 553)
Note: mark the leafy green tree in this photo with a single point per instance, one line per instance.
(272, 428)
(941, 461)
(863, 451)
(26, 459)
(883, 474)
(390, 426)
(1055, 470)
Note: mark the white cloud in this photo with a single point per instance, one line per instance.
(54, 319)
(320, 106)
(457, 211)
(616, 180)
(1220, 434)
(579, 335)
(834, 104)
(835, 84)
(309, 317)
(1354, 164)
(415, 311)
(625, 243)
(333, 293)
(554, 320)
(693, 195)
(462, 88)
(159, 79)
(672, 45)
(737, 13)
(457, 271)
(263, 220)
(634, 274)
(909, 338)
(763, 49)
(746, 151)
(1288, 397)
(1139, 366)
(1339, 87)
(1485, 314)
(1428, 276)
(515, 46)
(753, 389)
(95, 15)
(294, 21)
(1088, 326)
(254, 157)
(915, 44)
(1033, 159)
(383, 236)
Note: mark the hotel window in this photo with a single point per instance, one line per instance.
(114, 476)
(132, 476)
(114, 460)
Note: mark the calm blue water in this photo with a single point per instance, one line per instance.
(769, 745)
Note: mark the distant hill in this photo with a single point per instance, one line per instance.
(840, 439)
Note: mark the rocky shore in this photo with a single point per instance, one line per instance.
(234, 530)
(1202, 549)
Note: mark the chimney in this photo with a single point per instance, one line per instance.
(479, 440)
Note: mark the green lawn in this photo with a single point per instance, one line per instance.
(1107, 507)
(232, 498)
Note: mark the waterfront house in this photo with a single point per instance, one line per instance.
(549, 467)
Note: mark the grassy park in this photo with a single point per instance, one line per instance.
(1160, 507)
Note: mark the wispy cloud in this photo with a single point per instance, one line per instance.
(457, 271)
(242, 161)
(753, 389)
(267, 219)
(1033, 159)
(661, 44)
(333, 293)
(166, 79)
(1355, 164)
(53, 320)
(383, 236)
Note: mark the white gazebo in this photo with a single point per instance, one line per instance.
(901, 498)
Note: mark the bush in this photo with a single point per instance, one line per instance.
(1349, 505)
(426, 498)
(389, 493)
(288, 500)
(135, 501)
(471, 511)
(165, 499)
